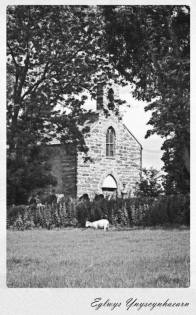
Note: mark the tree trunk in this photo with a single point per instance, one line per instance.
(186, 158)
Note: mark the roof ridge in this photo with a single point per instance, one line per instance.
(132, 135)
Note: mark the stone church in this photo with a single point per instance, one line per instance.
(116, 155)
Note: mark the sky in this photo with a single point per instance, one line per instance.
(135, 119)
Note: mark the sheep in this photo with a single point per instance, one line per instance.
(101, 224)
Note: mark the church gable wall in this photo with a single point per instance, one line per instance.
(125, 166)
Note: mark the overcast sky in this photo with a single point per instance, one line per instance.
(135, 118)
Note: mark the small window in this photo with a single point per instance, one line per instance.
(110, 142)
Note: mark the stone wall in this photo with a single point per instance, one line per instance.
(75, 177)
(125, 166)
(63, 162)
(102, 93)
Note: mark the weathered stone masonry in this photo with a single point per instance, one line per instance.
(125, 166)
(75, 177)
(64, 165)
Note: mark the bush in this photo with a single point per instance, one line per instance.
(50, 216)
(164, 210)
(140, 211)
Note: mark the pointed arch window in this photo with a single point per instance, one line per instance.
(110, 142)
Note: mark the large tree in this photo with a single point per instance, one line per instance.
(177, 179)
(54, 54)
(150, 47)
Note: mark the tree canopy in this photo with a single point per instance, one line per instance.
(54, 53)
(52, 56)
(150, 47)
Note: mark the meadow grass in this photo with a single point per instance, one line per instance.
(79, 258)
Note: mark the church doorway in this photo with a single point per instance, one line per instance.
(109, 187)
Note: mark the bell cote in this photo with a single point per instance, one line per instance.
(107, 94)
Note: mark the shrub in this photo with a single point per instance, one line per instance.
(174, 209)
(83, 212)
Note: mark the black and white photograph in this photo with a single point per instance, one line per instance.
(98, 155)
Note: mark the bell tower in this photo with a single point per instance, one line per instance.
(107, 94)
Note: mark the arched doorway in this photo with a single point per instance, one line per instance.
(109, 187)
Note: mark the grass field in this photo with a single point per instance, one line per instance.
(88, 258)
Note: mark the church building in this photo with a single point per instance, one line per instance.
(116, 155)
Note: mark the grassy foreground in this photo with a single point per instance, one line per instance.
(88, 258)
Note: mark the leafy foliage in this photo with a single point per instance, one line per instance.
(150, 184)
(54, 53)
(27, 169)
(150, 47)
(177, 179)
(142, 211)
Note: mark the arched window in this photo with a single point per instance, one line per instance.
(110, 142)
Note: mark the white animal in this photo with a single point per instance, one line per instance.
(101, 224)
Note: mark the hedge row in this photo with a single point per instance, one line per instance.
(174, 209)
(50, 216)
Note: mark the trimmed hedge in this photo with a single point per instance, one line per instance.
(165, 210)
